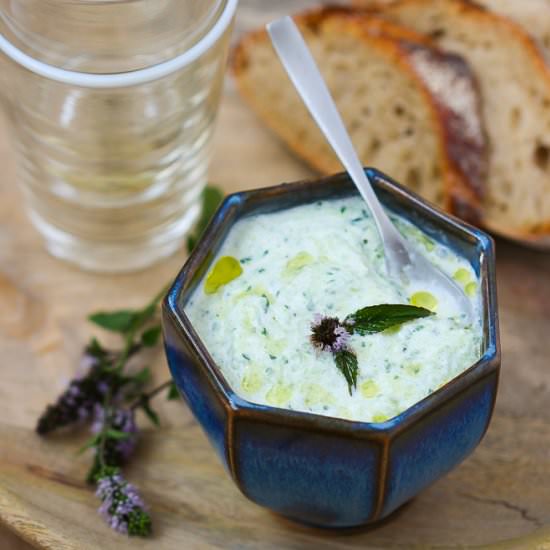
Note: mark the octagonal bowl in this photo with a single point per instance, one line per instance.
(326, 471)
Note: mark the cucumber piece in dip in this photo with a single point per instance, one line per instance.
(326, 258)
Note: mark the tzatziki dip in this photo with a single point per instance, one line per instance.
(277, 274)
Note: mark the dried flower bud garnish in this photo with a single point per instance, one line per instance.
(331, 335)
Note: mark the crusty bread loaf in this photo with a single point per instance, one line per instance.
(392, 89)
(532, 15)
(515, 89)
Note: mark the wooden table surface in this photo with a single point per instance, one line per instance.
(501, 494)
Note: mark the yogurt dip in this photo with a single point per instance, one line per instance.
(326, 258)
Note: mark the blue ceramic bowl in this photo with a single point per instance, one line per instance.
(326, 471)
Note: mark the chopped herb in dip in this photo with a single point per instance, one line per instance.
(255, 316)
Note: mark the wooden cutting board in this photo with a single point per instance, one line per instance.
(499, 497)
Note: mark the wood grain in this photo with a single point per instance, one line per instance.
(499, 498)
(194, 502)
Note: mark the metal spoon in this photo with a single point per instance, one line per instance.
(402, 261)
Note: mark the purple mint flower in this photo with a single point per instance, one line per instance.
(122, 507)
(102, 387)
(124, 421)
(329, 334)
(317, 318)
(342, 339)
(87, 362)
(99, 419)
(116, 451)
(74, 405)
(83, 413)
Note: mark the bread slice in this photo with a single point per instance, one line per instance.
(515, 89)
(392, 89)
(532, 15)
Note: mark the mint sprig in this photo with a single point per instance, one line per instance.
(110, 393)
(331, 335)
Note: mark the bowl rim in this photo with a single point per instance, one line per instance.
(232, 208)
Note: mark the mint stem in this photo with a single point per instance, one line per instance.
(149, 395)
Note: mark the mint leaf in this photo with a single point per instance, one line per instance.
(92, 442)
(173, 392)
(115, 321)
(142, 377)
(151, 336)
(141, 317)
(95, 349)
(211, 199)
(127, 321)
(372, 319)
(116, 434)
(347, 363)
(149, 412)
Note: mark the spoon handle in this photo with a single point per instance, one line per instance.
(304, 74)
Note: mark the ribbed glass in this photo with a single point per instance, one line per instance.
(112, 174)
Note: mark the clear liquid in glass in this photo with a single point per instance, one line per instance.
(113, 176)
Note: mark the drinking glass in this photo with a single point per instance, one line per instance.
(111, 105)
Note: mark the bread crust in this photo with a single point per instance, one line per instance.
(463, 189)
(455, 94)
(476, 10)
(532, 15)
(468, 8)
(467, 153)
